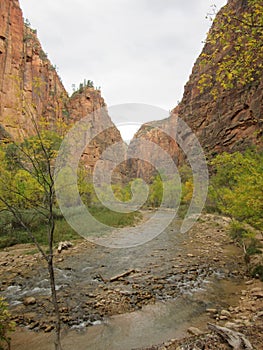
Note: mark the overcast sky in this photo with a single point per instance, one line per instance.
(138, 51)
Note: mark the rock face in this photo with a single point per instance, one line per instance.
(152, 133)
(30, 85)
(31, 88)
(88, 103)
(231, 122)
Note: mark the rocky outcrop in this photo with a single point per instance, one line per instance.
(88, 103)
(232, 121)
(30, 88)
(153, 132)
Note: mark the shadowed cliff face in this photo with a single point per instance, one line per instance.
(153, 132)
(233, 121)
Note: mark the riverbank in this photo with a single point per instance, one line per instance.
(245, 318)
(96, 283)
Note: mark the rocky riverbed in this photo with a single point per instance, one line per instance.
(245, 318)
(95, 283)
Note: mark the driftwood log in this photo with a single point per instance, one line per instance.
(235, 339)
(124, 274)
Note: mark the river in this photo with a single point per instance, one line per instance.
(174, 278)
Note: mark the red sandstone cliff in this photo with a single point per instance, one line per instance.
(28, 81)
(152, 132)
(232, 121)
(30, 86)
(87, 103)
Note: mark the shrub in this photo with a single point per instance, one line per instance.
(258, 272)
(254, 247)
(237, 231)
(6, 325)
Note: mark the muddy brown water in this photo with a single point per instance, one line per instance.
(169, 317)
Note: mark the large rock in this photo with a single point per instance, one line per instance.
(88, 103)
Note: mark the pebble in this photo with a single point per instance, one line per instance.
(29, 301)
(223, 318)
(258, 294)
(225, 313)
(49, 328)
(194, 331)
(211, 311)
(231, 325)
(249, 282)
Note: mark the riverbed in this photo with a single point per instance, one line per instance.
(171, 281)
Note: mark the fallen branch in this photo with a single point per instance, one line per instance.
(124, 274)
(235, 339)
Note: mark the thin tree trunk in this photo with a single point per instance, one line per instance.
(58, 345)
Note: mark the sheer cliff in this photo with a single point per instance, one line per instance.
(28, 81)
(233, 118)
(31, 88)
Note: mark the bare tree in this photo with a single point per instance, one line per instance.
(34, 157)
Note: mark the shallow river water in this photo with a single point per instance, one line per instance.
(180, 304)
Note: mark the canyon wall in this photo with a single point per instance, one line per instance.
(30, 88)
(232, 121)
(29, 84)
(88, 103)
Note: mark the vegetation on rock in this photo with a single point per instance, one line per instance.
(235, 51)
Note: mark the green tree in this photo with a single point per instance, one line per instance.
(237, 186)
(85, 186)
(234, 48)
(27, 181)
(156, 192)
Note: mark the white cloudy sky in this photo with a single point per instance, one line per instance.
(138, 51)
